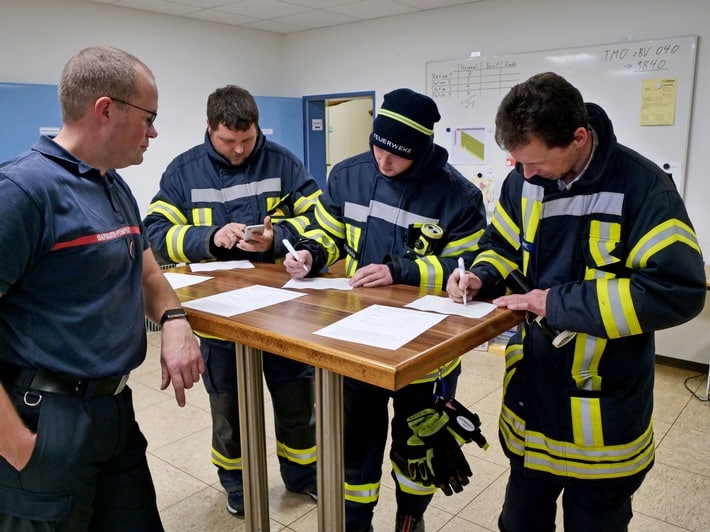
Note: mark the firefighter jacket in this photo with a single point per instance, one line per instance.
(418, 223)
(200, 192)
(619, 258)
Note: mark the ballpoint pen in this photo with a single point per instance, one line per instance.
(292, 251)
(462, 272)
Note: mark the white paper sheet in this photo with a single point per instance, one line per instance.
(180, 280)
(444, 305)
(381, 326)
(242, 300)
(219, 265)
(320, 283)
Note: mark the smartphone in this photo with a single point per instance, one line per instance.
(251, 230)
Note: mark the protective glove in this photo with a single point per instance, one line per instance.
(447, 463)
(419, 455)
(463, 424)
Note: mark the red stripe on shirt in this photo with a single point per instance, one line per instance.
(99, 237)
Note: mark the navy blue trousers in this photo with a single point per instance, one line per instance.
(530, 503)
(366, 425)
(88, 470)
(291, 386)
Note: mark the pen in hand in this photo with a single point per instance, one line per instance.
(462, 271)
(292, 251)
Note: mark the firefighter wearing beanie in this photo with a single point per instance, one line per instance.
(399, 213)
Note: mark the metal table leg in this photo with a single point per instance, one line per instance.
(250, 391)
(329, 441)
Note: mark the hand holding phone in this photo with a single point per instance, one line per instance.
(251, 230)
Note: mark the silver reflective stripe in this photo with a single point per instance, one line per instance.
(665, 235)
(377, 209)
(246, 190)
(600, 203)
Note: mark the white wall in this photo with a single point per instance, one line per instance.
(192, 58)
(189, 59)
(384, 54)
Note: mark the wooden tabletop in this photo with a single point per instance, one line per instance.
(287, 328)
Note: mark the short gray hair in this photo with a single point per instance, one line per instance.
(95, 72)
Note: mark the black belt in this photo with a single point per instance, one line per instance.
(43, 380)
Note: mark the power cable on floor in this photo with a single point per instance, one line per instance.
(698, 397)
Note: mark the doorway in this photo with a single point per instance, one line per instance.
(336, 126)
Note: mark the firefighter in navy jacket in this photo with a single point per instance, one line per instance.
(397, 214)
(603, 236)
(208, 195)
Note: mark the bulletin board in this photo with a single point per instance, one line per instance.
(646, 88)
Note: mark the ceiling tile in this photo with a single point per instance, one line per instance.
(284, 16)
(157, 6)
(262, 8)
(317, 19)
(365, 9)
(212, 15)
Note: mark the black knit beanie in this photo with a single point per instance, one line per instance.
(404, 124)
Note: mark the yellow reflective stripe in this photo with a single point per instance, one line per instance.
(362, 493)
(571, 460)
(299, 223)
(443, 371)
(502, 265)
(174, 239)
(306, 203)
(512, 430)
(298, 456)
(407, 485)
(352, 239)
(586, 421)
(324, 239)
(202, 216)
(585, 363)
(406, 121)
(226, 463)
(168, 211)
(603, 238)
(592, 273)
(506, 227)
(431, 273)
(617, 308)
(659, 238)
(454, 248)
(328, 222)
(561, 467)
(531, 208)
(204, 335)
(513, 354)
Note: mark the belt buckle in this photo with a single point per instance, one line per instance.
(121, 384)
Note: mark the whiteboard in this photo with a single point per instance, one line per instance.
(636, 82)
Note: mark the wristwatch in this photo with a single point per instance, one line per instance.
(172, 314)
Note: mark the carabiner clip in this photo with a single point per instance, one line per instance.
(439, 391)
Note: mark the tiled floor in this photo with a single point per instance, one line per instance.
(675, 496)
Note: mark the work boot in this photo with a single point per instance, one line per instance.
(235, 503)
(409, 523)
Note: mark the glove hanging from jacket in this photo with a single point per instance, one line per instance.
(434, 453)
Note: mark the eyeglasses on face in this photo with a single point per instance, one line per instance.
(153, 114)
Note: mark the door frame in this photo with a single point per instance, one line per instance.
(314, 141)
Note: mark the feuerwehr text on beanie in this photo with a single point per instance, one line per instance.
(404, 124)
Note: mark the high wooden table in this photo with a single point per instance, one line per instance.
(287, 329)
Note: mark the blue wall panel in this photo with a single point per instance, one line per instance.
(24, 109)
